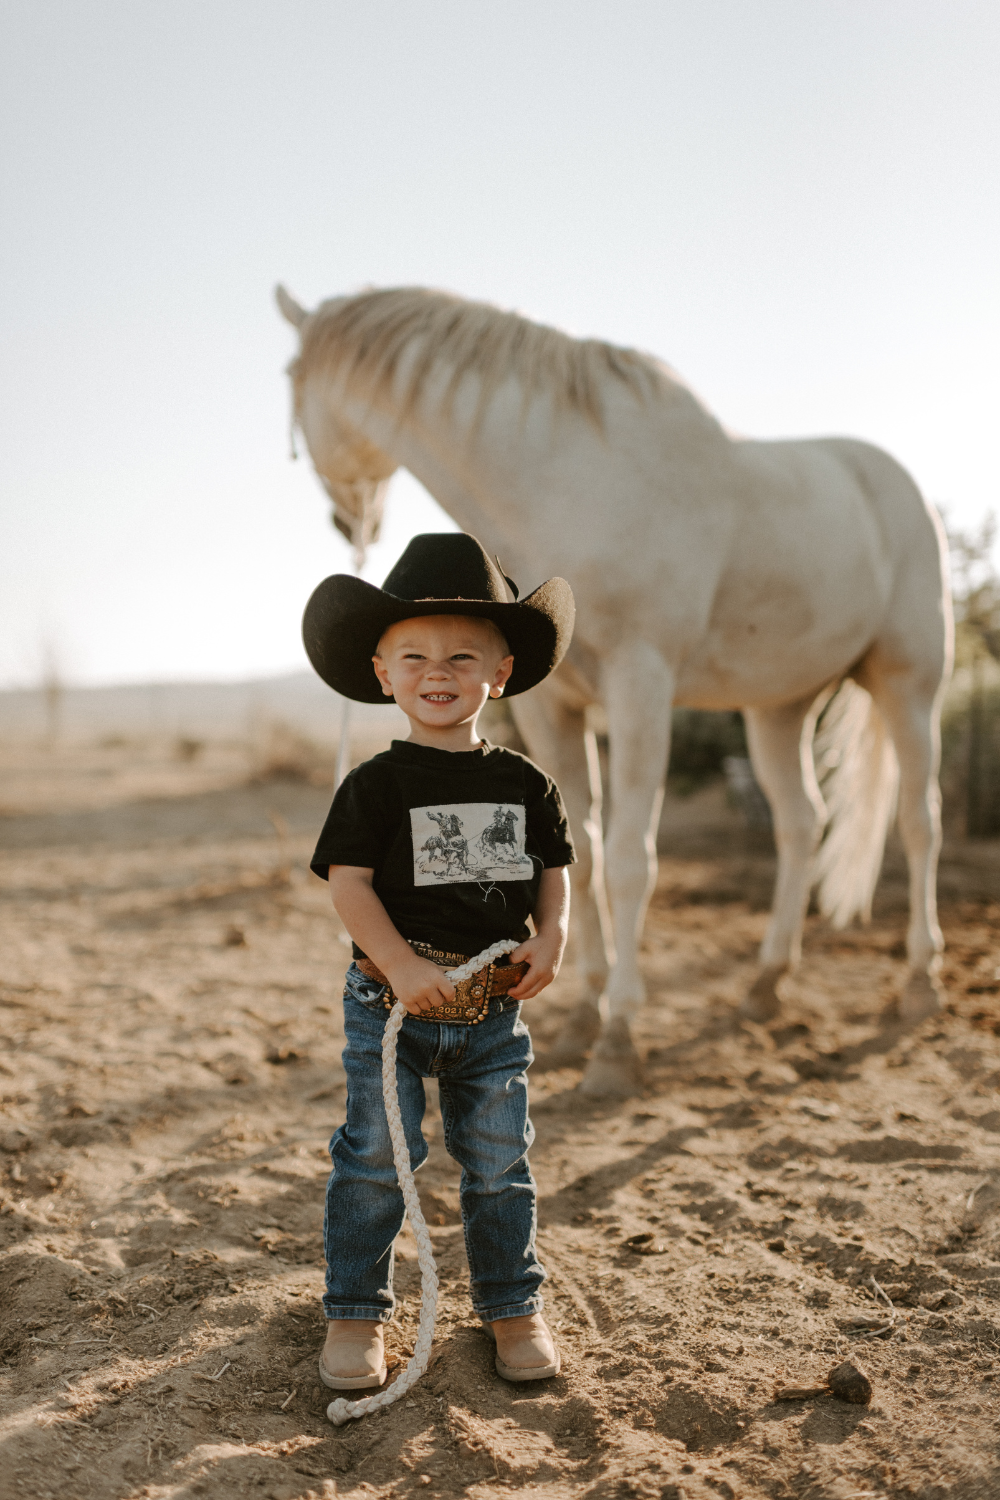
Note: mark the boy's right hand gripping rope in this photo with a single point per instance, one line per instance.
(341, 1410)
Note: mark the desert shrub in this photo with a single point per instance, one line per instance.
(186, 748)
(970, 759)
(970, 729)
(700, 744)
(284, 754)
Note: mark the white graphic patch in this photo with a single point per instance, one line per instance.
(462, 841)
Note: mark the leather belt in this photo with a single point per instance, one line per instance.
(472, 996)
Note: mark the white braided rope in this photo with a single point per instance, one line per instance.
(488, 956)
(342, 1410)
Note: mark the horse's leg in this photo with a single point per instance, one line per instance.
(910, 709)
(555, 735)
(780, 741)
(638, 692)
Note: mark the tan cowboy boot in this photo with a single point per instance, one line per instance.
(353, 1357)
(525, 1348)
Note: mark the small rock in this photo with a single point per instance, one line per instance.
(935, 1301)
(877, 1322)
(234, 937)
(645, 1244)
(849, 1383)
(799, 1392)
(278, 1055)
(778, 1246)
(771, 1077)
(818, 1108)
(14, 1140)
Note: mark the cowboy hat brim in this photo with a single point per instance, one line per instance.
(346, 618)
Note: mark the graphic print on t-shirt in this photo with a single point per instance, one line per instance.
(459, 841)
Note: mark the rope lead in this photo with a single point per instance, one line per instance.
(341, 1410)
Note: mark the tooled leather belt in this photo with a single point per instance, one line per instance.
(472, 996)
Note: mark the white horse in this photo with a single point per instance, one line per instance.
(708, 570)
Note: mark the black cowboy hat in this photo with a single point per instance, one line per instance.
(440, 573)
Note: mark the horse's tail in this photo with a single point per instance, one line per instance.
(858, 773)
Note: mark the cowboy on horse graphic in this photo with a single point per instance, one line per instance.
(500, 834)
(449, 844)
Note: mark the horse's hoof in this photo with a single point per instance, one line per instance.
(922, 997)
(761, 1002)
(615, 1070)
(571, 1046)
(611, 1080)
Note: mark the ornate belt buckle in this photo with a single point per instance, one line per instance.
(472, 996)
(478, 995)
(471, 1004)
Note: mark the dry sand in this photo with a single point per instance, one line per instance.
(170, 1076)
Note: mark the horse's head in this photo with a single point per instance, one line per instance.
(353, 471)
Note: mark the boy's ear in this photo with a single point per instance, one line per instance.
(382, 675)
(500, 676)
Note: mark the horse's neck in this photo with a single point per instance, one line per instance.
(468, 464)
(527, 477)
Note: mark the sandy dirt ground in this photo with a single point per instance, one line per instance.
(170, 1076)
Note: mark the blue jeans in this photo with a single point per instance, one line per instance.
(484, 1106)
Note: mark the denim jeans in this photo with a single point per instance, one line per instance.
(484, 1106)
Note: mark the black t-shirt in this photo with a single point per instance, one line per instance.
(457, 839)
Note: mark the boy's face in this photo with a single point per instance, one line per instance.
(442, 668)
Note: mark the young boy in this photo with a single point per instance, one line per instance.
(436, 849)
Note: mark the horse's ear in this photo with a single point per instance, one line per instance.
(289, 308)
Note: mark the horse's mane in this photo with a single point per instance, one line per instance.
(364, 338)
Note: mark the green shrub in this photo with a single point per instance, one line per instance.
(970, 760)
(699, 744)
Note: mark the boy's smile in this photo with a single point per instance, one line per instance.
(441, 669)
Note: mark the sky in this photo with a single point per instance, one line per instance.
(793, 202)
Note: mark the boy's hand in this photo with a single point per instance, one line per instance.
(544, 955)
(420, 984)
(543, 952)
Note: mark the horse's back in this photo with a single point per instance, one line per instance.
(917, 628)
(843, 482)
(889, 488)
(916, 625)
